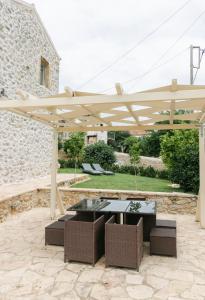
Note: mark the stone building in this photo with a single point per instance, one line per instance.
(28, 61)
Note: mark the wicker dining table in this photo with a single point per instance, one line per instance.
(127, 210)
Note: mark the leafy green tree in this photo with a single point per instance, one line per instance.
(116, 139)
(150, 144)
(135, 157)
(180, 153)
(99, 153)
(129, 142)
(74, 147)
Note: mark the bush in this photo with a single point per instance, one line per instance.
(150, 144)
(180, 153)
(74, 147)
(99, 153)
(148, 172)
(128, 169)
(70, 163)
(129, 142)
(116, 140)
(163, 174)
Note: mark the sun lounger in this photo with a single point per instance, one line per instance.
(97, 167)
(89, 170)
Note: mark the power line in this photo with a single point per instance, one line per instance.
(153, 69)
(164, 54)
(170, 47)
(161, 65)
(136, 45)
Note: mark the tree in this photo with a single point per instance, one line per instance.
(150, 144)
(99, 153)
(74, 147)
(116, 139)
(134, 158)
(180, 153)
(129, 142)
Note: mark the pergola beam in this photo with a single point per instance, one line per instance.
(131, 99)
(130, 127)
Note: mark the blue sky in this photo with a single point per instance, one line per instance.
(89, 35)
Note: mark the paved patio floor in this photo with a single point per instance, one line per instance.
(30, 270)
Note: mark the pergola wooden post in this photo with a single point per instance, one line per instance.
(54, 174)
(201, 203)
(55, 193)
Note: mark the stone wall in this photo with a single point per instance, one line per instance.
(25, 148)
(173, 203)
(123, 159)
(154, 162)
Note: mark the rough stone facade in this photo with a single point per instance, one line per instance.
(25, 147)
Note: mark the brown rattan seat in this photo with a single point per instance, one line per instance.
(138, 198)
(123, 244)
(109, 198)
(163, 241)
(65, 218)
(54, 234)
(166, 223)
(84, 238)
(149, 222)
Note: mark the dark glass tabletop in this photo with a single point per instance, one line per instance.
(120, 206)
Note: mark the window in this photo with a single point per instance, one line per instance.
(44, 72)
(91, 139)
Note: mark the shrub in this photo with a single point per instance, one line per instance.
(148, 172)
(129, 142)
(180, 153)
(99, 153)
(150, 144)
(163, 174)
(74, 147)
(116, 139)
(70, 163)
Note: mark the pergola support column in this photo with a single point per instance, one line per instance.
(54, 174)
(201, 205)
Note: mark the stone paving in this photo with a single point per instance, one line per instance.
(31, 270)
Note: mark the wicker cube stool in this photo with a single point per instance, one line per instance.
(65, 218)
(163, 241)
(166, 223)
(54, 234)
(84, 238)
(124, 243)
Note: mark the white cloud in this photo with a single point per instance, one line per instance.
(90, 34)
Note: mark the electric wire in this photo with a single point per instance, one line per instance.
(122, 56)
(170, 47)
(154, 69)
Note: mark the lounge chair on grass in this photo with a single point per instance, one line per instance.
(97, 167)
(89, 170)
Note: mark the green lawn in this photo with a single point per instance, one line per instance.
(124, 182)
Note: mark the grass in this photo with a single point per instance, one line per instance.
(124, 182)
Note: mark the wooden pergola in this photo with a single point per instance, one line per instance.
(74, 111)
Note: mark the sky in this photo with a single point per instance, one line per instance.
(91, 35)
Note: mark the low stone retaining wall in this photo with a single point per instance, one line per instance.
(38, 197)
(173, 203)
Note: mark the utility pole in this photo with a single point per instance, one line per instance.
(195, 65)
